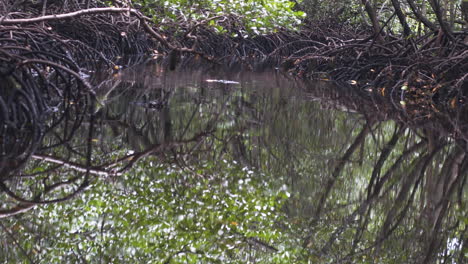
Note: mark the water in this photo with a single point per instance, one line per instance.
(213, 166)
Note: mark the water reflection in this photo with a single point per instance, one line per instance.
(358, 184)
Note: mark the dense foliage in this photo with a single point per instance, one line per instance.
(238, 17)
(163, 214)
(362, 189)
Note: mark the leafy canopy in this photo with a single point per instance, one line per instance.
(252, 17)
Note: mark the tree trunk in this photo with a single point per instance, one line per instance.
(401, 17)
(435, 4)
(421, 16)
(373, 18)
(464, 9)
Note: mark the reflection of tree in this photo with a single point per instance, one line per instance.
(165, 134)
(410, 188)
(384, 185)
(386, 189)
(364, 186)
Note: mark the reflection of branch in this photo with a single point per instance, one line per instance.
(257, 242)
(75, 166)
(345, 223)
(383, 157)
(80, 255)
(32, 175)
(365, 207)
(388, 175)
(339, 167)
(155, 149)
(159, 148)
(394, 218)
(183, 251)
(411, 179)
(16, 242)
(47, 189)
(18, 209)
(443, 203)
(25, 205)
(336, 172)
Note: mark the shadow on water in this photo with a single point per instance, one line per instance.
(360, 178)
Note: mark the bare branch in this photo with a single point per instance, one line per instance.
(421, 17)
(74, 166)
(100, 10)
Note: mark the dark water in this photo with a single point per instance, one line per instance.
(216, 166)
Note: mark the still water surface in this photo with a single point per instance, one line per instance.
(216, 166)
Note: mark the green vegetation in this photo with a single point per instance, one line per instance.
(237, 17)
(159, 213)
(327, 187)
(169, 167)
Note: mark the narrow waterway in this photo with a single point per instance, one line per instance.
(214, 166)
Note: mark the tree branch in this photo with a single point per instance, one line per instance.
(401, 17)
(373, 18)
(99, 10)
(420, 16)
(73, 166)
